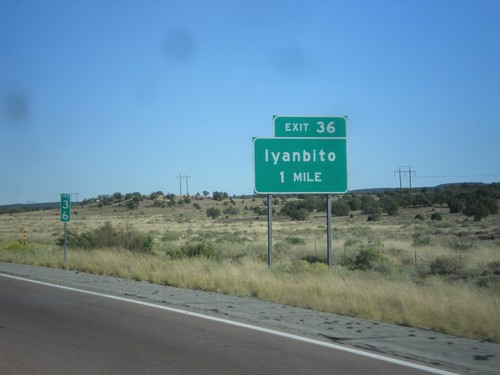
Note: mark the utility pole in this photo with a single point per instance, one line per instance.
(76, 197)
(404, 173)
(400, 185)
(187, 187)
(180, 177)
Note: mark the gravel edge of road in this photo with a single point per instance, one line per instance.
(425, 346)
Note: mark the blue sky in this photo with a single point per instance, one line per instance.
(121, 96)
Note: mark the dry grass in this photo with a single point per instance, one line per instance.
(400, 289)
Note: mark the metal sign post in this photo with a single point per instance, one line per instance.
(65, 218)
(329, 230)
(270, 231)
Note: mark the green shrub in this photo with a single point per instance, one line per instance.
(494, 267)
(419, 217)
(445, 265)
(109, 236)
(436, 216)
(199, 249)
(295, 240)
(295, 211)
(367, 258)
(213, 212)
(14, 245)
(340, 208)
(420, 240)
(170, 236)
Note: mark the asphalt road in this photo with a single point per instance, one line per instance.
(49, 330)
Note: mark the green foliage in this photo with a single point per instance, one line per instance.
(117, 197)
(133, 204)
(355, 203)
(420, 239)
(419, 217)
(170, 236)
(296, 211)
(368, 258)
(340, 208)
(231, 210)
(480, 203)
(219, 196)
(156, 195)
(295, 241)
(445, 265)
(390, 205)
(197, 206)
(109, 236)
(14, 245)
(436, 216)
(193, 250)
(213, 212)
(159, 203)
(370, 207)
(199, 249)
(494, 267)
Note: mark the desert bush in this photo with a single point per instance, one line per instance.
(14, 245)
(494, 267)
(311, 259)
(199, 249)
(219, 196)
(231, 210)
(436, 216)
(367, 259)
(461, 246)
(159, 203)
(109, 236)
(355, 203)
(170, 236)
(445, 265)
(213, 212)
(419, 217)
(420, 239)
(295, 240)
(296, 211)
(390, 205)
(340, 208)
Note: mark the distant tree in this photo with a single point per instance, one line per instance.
(296, 211)
(159, 203)
(390, 205)
(117, 197)
(340, 208)
(455, 204)
(206, 193)
(105, 199)
(369, 205)
(219, 196)
(479, 204)
(156, 195)
(213, 212)
(231, 210)
(355, 203)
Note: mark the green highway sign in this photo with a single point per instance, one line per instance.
(300, 165)
(65, 207)
(310, 126)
